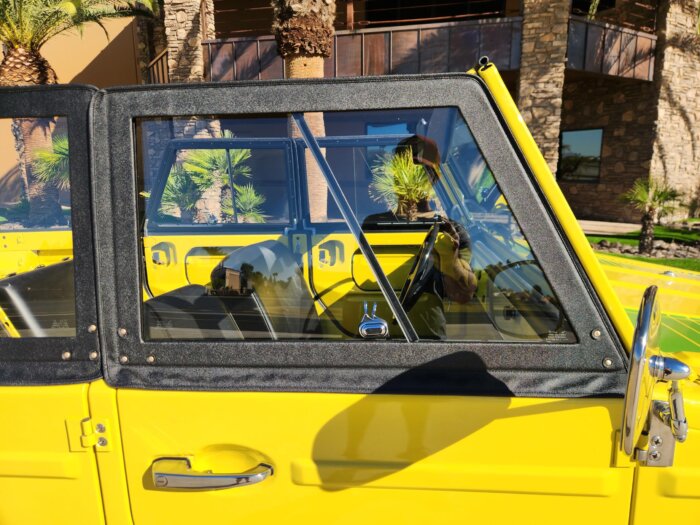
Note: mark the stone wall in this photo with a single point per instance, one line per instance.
(544, 45)
(187, 23)
(676, 152)
(626, 112)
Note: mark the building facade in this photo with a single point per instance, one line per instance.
(610, 97)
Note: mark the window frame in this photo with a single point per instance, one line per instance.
(600, 157)
(528, 369)
(281, 144)
(61, 360)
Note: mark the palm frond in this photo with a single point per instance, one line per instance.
(181, 193)
(395, 177)
(248, 204)
(650, 196)
(208, 165)
(52, 165)
(29, 24)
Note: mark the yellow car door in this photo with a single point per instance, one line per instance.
(48, 324)
(486, 386)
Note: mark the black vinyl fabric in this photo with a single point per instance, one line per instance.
(132, 360)
(522, 369)
(58, 360)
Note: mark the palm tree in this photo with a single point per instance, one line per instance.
(51, 165)
(654, 199)
(25, 26)
(211, 166)
(402, 184)
(181, 193)
(248, 202)
(209, 169)
(304, 33)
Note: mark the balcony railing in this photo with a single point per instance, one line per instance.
(429, 48)
(610, 50)
(158, 69)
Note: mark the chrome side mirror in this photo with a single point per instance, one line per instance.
(664, 421)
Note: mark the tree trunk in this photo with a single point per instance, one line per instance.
(311, 67)
(646, 239)
(304, 33)
(43, 197)
(21, 67)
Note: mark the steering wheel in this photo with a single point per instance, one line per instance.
(421, 272)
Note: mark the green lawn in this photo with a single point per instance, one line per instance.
(661, 233)
(594, 239)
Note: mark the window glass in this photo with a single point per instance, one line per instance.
(579, 158)
(440, 237)
(582, 7)
(37, 297)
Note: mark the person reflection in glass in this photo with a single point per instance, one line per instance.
(405, 180)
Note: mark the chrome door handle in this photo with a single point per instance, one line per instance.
(177, 473)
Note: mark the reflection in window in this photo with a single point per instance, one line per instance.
(414, 180)
(579, 157)
(37, 296)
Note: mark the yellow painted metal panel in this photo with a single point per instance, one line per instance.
(679, 290)
(342, 458)
(552, 193)
(103, 405)
(41, 479)
(22, 251)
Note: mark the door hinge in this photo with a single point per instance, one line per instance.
(88, 433)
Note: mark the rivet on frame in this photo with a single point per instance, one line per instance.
(123, 359)
(596, 333)
(66, 356)
(151, 359)
(607, 362)
(93, 356)
(92, 329)
(122, 332)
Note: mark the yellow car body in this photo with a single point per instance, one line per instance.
(87, 452)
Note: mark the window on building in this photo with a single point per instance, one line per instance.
(393, 12)
(582, 7)
(579, 155)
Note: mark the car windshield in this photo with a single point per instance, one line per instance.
(340, 225)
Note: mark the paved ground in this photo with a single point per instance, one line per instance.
(608, 228)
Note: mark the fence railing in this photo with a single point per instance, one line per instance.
(158, 69)
(610, 50)
(426, 48)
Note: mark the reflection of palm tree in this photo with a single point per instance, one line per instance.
(202, 170)
(209, 166)
(44, 207)
(248, 204)
(51, 165)
(399, 182)
(181, 193)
